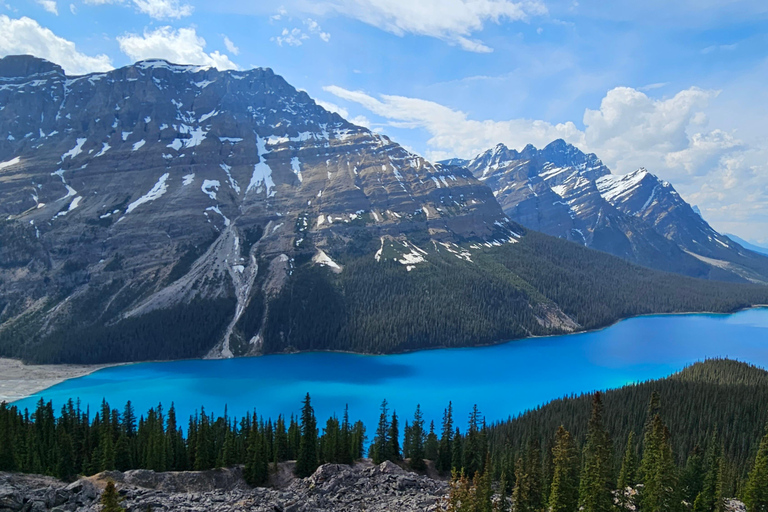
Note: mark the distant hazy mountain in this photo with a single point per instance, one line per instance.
(752, 247)
(569, 194)
(160, 211)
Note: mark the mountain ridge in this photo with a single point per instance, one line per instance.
(564, 192)
(161, 211)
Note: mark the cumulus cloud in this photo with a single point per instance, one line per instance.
(26, 36)
(453, 21)
(50, 6)
(182, 46)
(712, 168)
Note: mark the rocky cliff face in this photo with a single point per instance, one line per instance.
(564, 192)
(167, 195)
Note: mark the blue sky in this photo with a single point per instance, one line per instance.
(677, 87)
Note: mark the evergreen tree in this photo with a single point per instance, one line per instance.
(627, 473)
(381, 445)
(416, 448)
(692, 478)
(445, 450)
(756, 490)
(708, 500)
(502, 505)
(595, 486)
(564, 491)
(394, 440)
(658, 470)
(431, 446)
(306, 463)
(521, 498)
(110, 500)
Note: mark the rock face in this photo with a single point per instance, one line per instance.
(364, 486)
(183, 197)
(564, 192)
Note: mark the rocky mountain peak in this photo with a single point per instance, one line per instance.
(22, 66)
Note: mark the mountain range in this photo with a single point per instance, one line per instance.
(561, 191)
(162, 211)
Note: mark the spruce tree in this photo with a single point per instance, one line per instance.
(110, 500)
(416, 448)
(627, 473)
(445, 450)
(306, 463)
(564, 491)
(658, 470)
(756, 490)
(708, 499)
(431, 446)
(595, 485)
(521, 498)
(380, 447)
(394, 439)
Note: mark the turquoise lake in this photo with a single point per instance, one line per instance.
(502, 380)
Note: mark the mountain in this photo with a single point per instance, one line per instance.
(161, 211)
(564, 192)
(752, 247)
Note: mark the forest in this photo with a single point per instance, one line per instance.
(380, 307)
(687, 442)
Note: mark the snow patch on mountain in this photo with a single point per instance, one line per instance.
(157, 191)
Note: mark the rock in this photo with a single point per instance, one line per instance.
(333, 487)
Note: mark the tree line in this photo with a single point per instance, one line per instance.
(584, 462)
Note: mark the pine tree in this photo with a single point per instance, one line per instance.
(627, 473)
(692, 478)
(445, 450)
(521, 498)
(110, 500)
(306, 463)
(381, 445)
(502, 504)
(708, 499)
(756, 490)
(564, 491)
(394, 439)
(416, 448)
(431, 446)
(658, 470)
(595, 487)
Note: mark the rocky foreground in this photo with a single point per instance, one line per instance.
(363, 486)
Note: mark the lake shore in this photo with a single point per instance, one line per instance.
(19, 380)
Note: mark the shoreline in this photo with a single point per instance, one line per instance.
(19, 380)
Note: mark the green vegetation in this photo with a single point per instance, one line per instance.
(73, 443)
(686, 461)
(381, 307)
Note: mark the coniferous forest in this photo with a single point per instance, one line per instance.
(687, 442)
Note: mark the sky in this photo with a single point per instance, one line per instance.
(676, 87)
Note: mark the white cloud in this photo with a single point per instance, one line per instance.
(26, 36)
(452, 132)
(73, 8)
(314, 28)
(332, 107)
(293, 37)
(163, 9)
(157, 9)
(453, 21)
(181, 46)
(231, 47)
(50, 6)
(712, 168)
